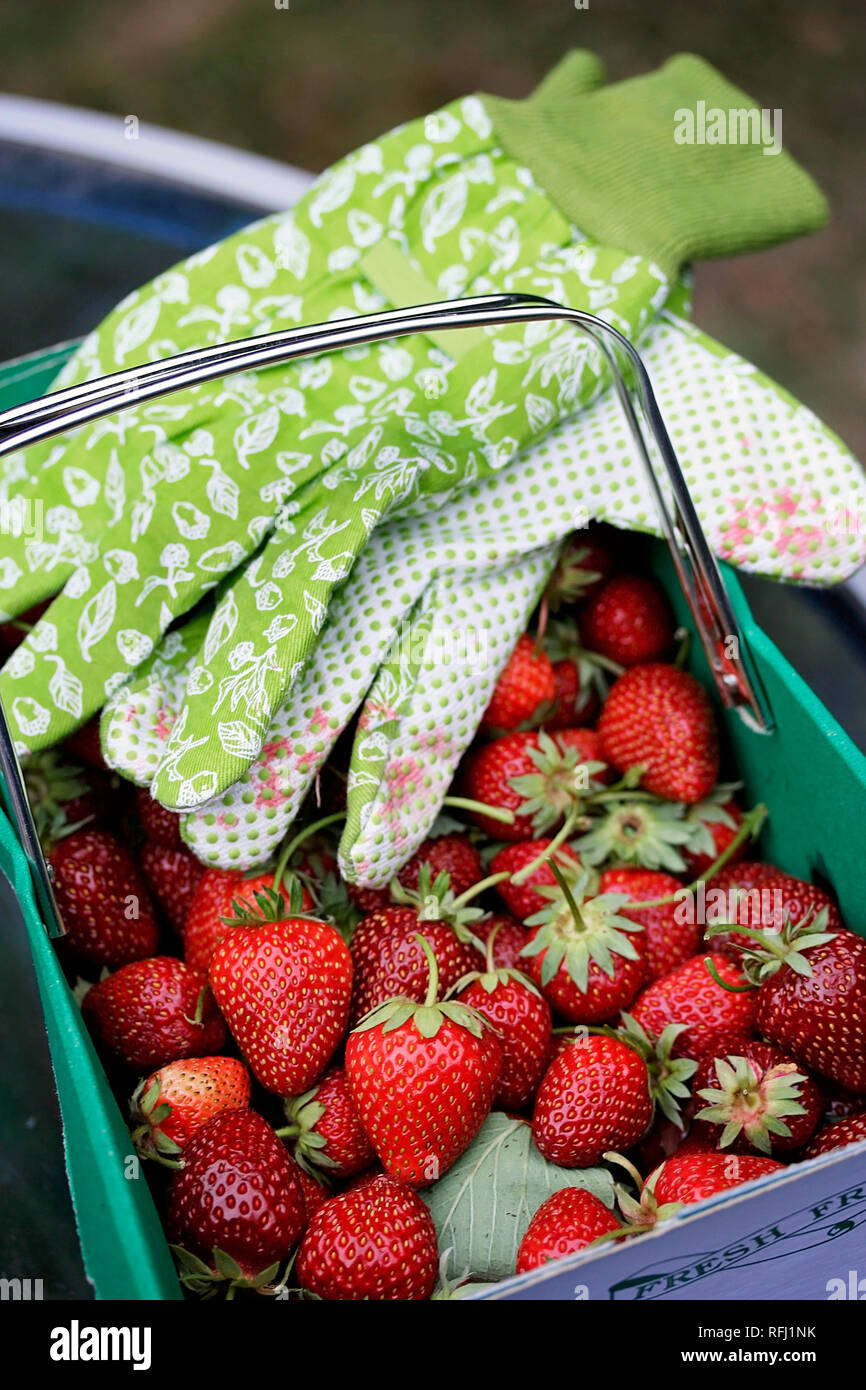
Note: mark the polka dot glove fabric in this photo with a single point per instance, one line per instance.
(268, 486)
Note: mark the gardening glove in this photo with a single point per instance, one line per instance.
(435, 604)
(440, 207)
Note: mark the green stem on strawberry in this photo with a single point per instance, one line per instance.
(568, 826)
(491, 942)
(567, 894)
(724, 984)
(433, 967)
(751, 826)
(480, 887)
(297, 840)
(684, 637)
(465, 803)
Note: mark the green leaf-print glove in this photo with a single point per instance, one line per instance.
(296, 466)
(435, 604)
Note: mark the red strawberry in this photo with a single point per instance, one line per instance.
(158, 823)
(594, 1097)
(315, 1194)
(764, 897)
(102, 899)
(213, 900)
(757, 1101)
(172, 1103)
(838, 1136)
(453, 855)
(693, 1176)
(237, 1196)
(716, 1022)
(716, 823)
(586, 559)
(669, 940)
(388, 960)
(173, 875)
(522, 898)
(523, 687)
(575, 702)
(539, 777)
(423, 1078)
(511, 937)
(325, 1131)
(63, 795)
(660, 718)
(567, 1221)
(377, 1242)
(153, 1012)
(284, 983)
(628, 621)
(812, 997)
(588, 960)
(521, 1016)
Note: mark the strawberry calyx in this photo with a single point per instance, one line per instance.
(51, 783)
(775, 947)
(427, 1018)
(756, 1106)
(148, 1113)
(570, 578)
(750, 828)
(434, 901)
(644, 1212)
(225, 1274)
(558, 787)
(334, 904)
(492, 976)
(711, 811)
(641, 829)
(271, 906)
(576, 929)
(303, 1114)
(666, 1074)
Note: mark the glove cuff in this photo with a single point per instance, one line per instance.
(641, 165)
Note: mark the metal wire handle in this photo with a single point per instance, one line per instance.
(718, 630)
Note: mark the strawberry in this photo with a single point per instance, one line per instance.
(575, 701)
(377, 1242)
(588, 960)
(691, 1177)
(670, 938)
(173, 875)
(172, 1103)
(387, 957)
(811, 997)
(153, 1012)
(236, 1204)
(763, 897)
(521, 1016)
(715, 822)
(851, 1130)
(538, 777)
(567, 1221)
(522, 898)
(584, 563)
(511, 937)
(213, 901)
(717, 1022)
(628, 621)
(283, 982)
(315, 1193)
(660, 718)
(423, 1078)
(63, 796)
(453, 855)
(756, 1101)
(325, 1131)
(524, 686)
(594, 1097)
(102, 899)
(158, 823)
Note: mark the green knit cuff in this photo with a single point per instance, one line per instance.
(675, 165)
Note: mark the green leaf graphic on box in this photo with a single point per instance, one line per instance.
(483, 1205)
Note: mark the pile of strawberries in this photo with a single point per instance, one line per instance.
(307, 1059)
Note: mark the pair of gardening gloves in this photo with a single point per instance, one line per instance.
(375, 527)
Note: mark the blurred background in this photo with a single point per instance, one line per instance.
(306, 83)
